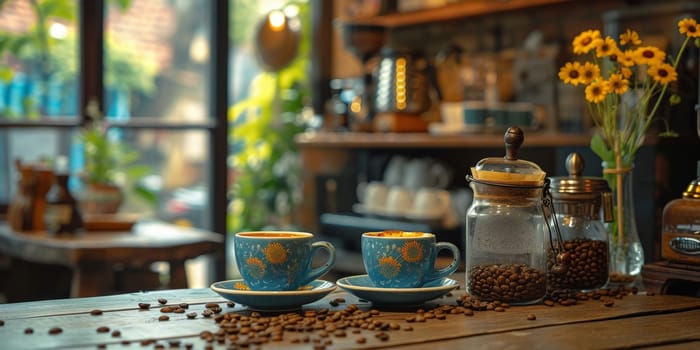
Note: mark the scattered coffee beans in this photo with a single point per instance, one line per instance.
(516, 283)
(586, 268)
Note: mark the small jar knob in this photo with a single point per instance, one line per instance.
(514, 138)
(575, 164)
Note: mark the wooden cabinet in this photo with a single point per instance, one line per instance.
(333, 162)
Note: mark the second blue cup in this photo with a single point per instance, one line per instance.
(398, 259)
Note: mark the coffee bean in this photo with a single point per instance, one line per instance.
(126, 342)
(166, 309)
(609, 302)
(192, 315)
(361, 340)
(144, 306)
(531, 317)
(102, 346)
(2, 323)
(102, 329)
(184, 305)
(163, 318)
(28, 331)
(586, 266)
(55, 330)
(230, 304)
(96, 312)
(162, 301)
(512, 283)
(116, 334)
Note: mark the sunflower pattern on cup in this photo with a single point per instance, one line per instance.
(256, 267)
(275, 253)
(412, 251)
(397, 258)
(389, 267)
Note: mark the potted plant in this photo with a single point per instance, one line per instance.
(108, 164)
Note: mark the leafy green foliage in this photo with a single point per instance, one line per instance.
(265, 159)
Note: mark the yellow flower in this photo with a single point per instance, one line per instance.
(586, 41)
(663, 73)
(626, 72)
(412, 251)
(606, 47)
(648, 55)
(571, 73)
(275, 253)
(689, 27)
(630, 37)
(618, 84)
(596, 91)
(626, 58)
(589, 72)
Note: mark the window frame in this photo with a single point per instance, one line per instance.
(91, 86)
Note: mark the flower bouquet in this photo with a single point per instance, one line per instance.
(625, 84)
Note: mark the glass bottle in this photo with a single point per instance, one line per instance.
(61, 214)
(578, 203)
(506, 229)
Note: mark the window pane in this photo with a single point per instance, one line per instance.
(157, 59)
(38, 59)
(20, 145)
(171, 183)
(177, 173)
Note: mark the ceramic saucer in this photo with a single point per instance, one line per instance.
(362, 287)
(235, 291)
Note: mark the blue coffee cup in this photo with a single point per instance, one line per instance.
(279, 260)
(398, 259)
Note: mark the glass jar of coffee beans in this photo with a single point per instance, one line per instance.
(579, 202)
(506, 229)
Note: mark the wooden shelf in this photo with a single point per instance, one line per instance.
(425, 140)
(462, 9)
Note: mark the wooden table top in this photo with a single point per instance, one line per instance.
(659, 321)
(149, 240)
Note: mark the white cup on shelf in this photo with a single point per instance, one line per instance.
(399, 201)
(372, 195)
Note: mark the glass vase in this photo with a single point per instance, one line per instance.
(626, 252)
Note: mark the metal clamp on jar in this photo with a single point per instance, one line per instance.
(506, 228)
(578, 201)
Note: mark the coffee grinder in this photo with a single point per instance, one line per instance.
(680, 232)
(679, 271)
